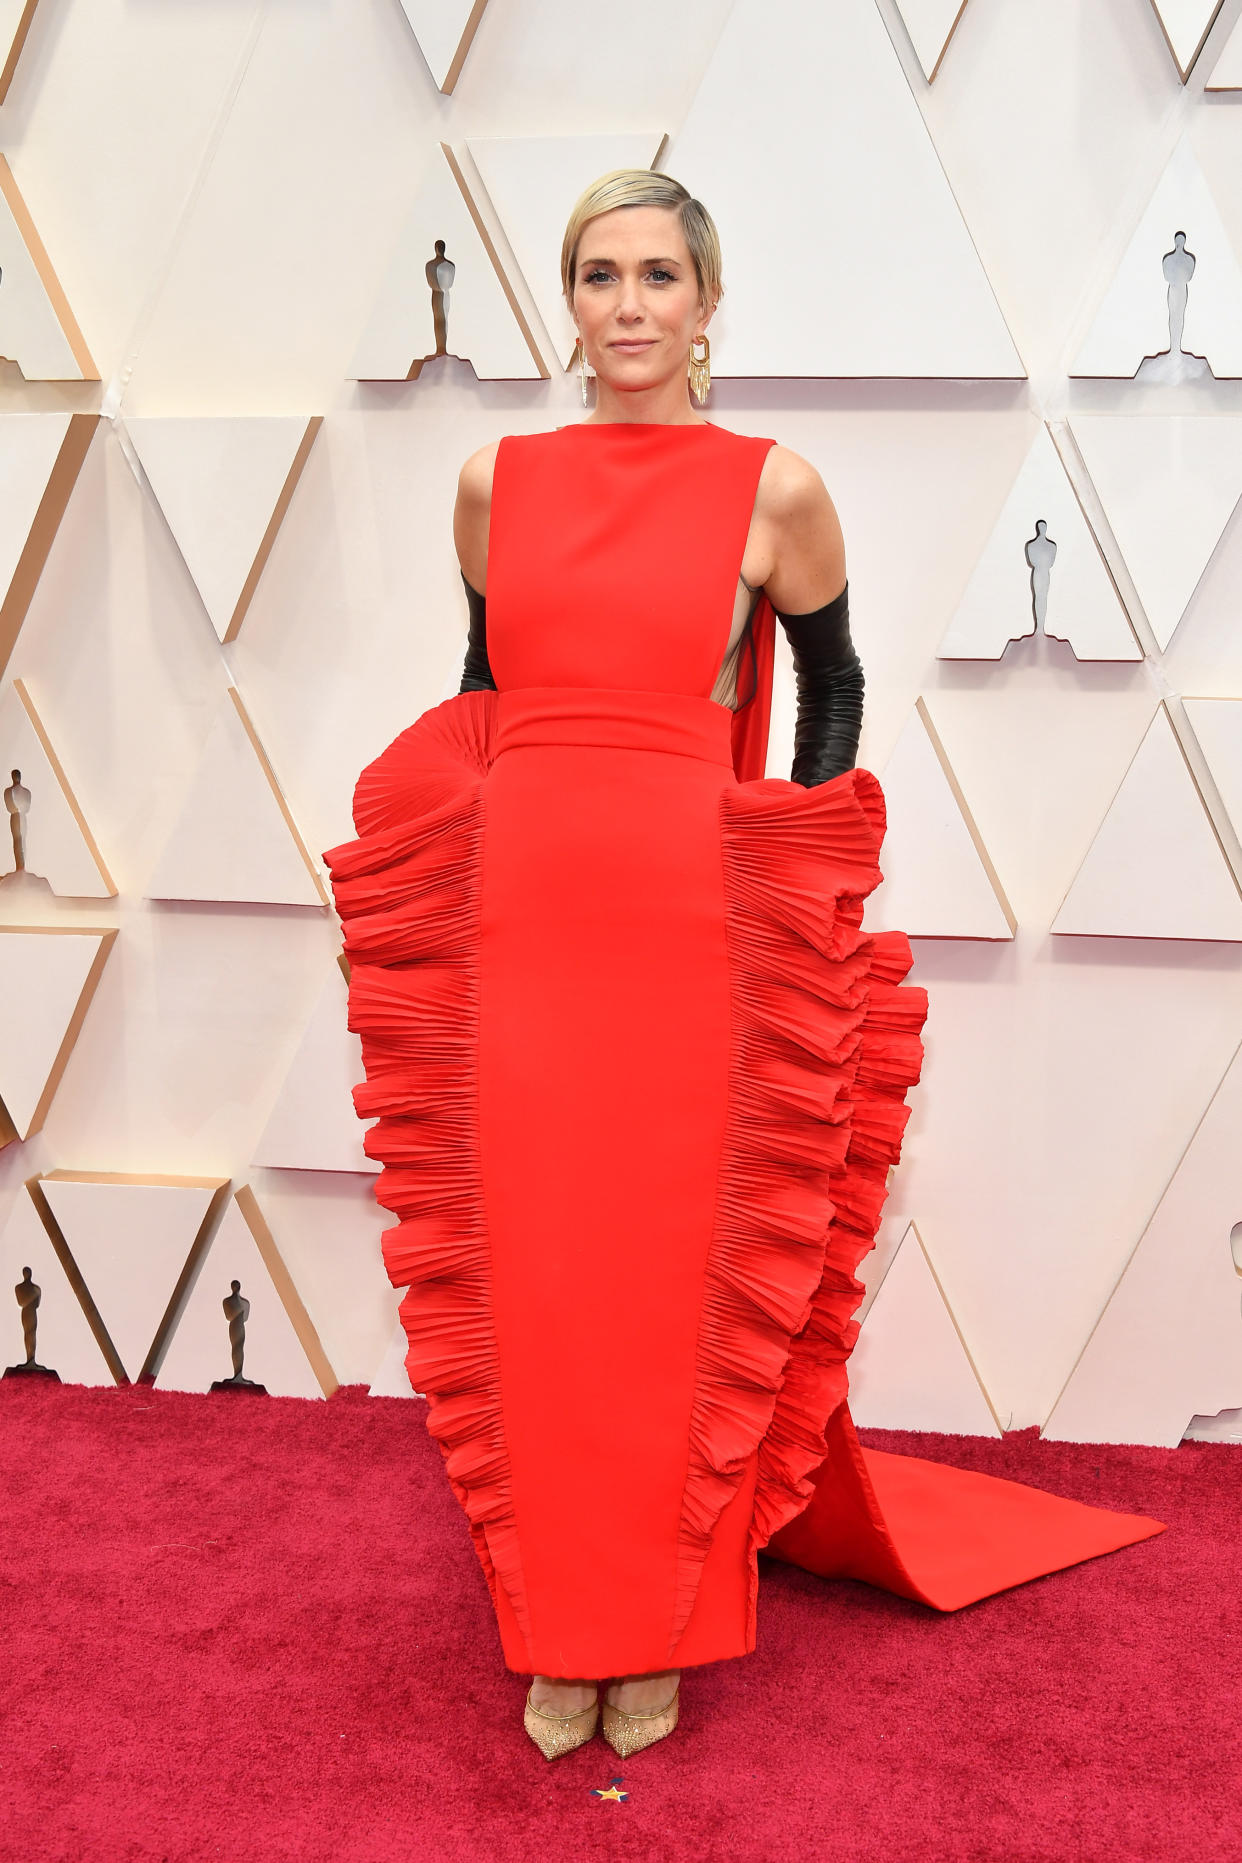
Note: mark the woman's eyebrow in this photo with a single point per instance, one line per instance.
(657, 261)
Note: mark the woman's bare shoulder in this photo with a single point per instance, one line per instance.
(789, 485)
(802, 543)
(474, 481)
(472, 514)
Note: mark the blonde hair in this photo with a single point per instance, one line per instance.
(644, 187)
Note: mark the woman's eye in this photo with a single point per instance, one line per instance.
(657, 273)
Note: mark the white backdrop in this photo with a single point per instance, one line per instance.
(220, 190)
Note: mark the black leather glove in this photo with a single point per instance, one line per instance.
(477, 676)
(830, 692)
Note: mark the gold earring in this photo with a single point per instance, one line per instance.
(582, 374)
(700, 369)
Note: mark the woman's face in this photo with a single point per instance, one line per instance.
(636, 296)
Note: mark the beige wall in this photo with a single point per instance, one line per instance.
(219, 187)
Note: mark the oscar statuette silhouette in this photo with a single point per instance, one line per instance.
(440, 272)
(237, 1312)
(29, 1294)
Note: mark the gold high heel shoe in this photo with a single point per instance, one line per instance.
(555, 1734)
(630, 1733)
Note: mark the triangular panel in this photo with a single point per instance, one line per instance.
(330, 1243)
(1155, 868)
(48, 976)
(444, 30)
(1161, 300)
(445, 293)
(1169, 484)
(1040, 572)
(1227, 71)
(391, 1377)
(38, 331)
(939, 881)
(887, 281)
(40, 458)
(1186, 24)
(15, 21)
(313, 1125)
(1168, 1346)
(130, 1239)
(63, 1339)
(52, 838)
(911, 1369)
(224, 483)
(1217, 725)
(275, 1340)
(529, 181)
(235, 837)
(931, 24)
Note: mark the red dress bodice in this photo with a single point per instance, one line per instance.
(576, 597)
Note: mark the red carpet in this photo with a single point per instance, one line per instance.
(253, 1628)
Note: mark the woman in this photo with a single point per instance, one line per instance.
(639, 1075)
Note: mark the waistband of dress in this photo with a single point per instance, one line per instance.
(621, 718)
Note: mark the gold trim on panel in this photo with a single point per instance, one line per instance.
(1099, 829)
(73, 1274)
(282, 1280)
(1202, 794)
(28, 704)
(105, 935)
(957, 20)
(985, 859)
(1142, 1237)
(60, 483)
(948, 1307)
(212, 1217)
(269, 772)
(269, 536)
(1064, 431)
(15, 49)
(463, 47)
(43, 265)
(1185, 71)
(206, 1229)
(159, 1178)
(934, 73)
(494, 256)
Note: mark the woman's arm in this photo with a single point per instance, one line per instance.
(471, 516)
(799, 537)
(801, 534)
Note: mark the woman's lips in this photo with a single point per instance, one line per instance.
(636, 345)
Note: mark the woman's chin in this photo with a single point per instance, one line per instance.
(632, 380)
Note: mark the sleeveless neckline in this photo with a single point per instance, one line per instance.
(640, 426)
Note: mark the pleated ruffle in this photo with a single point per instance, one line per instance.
(825, 1045)
(407, 892)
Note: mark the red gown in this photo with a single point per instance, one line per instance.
(638, 1079)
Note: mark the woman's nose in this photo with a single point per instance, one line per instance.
(629, 304)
